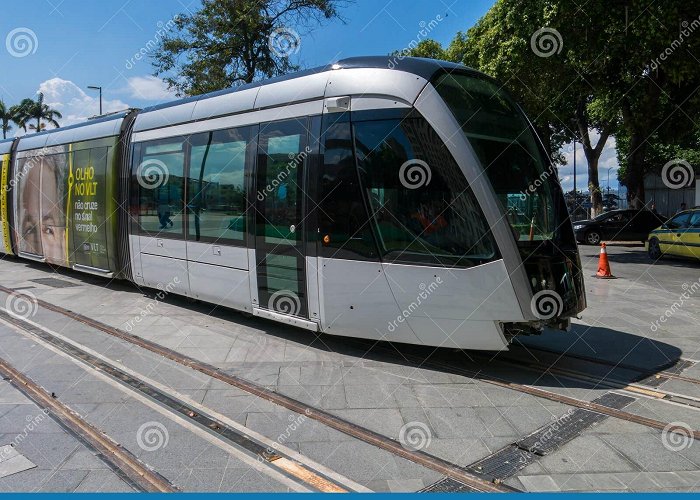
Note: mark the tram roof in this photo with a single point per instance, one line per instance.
(298, 87)
(6, 146)
(94, 128)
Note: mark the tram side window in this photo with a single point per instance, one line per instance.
(216, 186)
(159, 178)
(345, 228)
(423, 208)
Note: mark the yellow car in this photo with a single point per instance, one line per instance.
(679, 236)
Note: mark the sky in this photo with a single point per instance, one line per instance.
(60, 47)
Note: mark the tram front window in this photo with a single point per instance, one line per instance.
(422, 209)
(507, 149)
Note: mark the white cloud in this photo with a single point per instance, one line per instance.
(73, 103)
(149, 88)
(608, 159)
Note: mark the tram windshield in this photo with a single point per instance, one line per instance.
(507, 149)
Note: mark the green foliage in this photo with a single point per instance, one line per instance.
(227, 42)
(620, 68)
(425, 48)
(34, 115)
(8, 115)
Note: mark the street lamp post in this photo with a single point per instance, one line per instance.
(609, 180)
(92, 87)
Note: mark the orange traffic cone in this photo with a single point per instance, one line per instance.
(603, 265)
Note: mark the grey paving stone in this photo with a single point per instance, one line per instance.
(249, 481)
(449, 395)
(326, 397)
(287, 426)
(496, 423)
(12, 462)
(317, 374)
(84, 459)
(587, 454)
(405, 485)
(103, 481)
(541, 483)
(648, 452)
(63, 481)
(457, 423)
(638, 481)
(371, 396)
(459, 451)
(375, 465)
(571, 482)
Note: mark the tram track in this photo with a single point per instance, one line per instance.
(664, 372)
(120, 459)
(444, 467)
(448, 469)
(606, 381)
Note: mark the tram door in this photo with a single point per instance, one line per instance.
(279, 247)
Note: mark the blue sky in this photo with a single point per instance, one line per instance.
(76, 43)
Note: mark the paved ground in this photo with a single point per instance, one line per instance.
(465, 419)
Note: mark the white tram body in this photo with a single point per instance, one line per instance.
(407, 202)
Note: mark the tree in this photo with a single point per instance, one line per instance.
(7, 117)
(425, 48)
(639, 61)
(228, 43)
(38, 112)
(520, 42)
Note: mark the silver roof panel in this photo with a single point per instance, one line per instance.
(6, 146)
(164, 117)
(375, 82)
(104, 127)
(234, 102)
(301, 89)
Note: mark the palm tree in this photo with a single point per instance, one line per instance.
(30, 110)
(7, 116)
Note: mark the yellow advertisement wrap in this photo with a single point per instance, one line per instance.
(4, 210)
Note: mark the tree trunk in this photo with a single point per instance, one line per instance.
(592, 155)
(594, 184)
(635, 169)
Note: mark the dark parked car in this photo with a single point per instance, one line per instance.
(621, 225)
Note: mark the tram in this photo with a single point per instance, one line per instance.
(409, 202)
